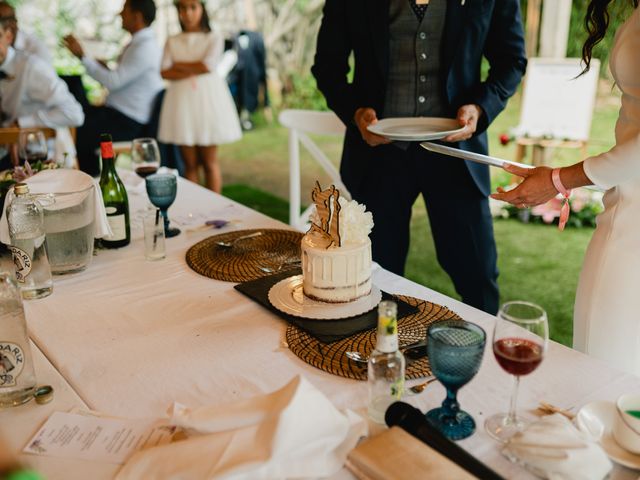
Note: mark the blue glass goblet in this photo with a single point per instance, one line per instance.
(162, 189)
(455, 350)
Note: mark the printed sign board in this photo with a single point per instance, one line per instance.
(556, 104)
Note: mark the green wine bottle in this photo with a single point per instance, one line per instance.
(115, 198)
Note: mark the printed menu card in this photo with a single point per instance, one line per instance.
(87, 437)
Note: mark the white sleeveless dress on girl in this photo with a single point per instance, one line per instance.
(198, 110)
(607, 309)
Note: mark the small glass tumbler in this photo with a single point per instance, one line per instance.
(154, 248)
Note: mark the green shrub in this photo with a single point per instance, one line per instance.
(304, 94)
(619, 12)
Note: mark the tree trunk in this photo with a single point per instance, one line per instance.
(250, 15)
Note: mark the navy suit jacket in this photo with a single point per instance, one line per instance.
(477, 28)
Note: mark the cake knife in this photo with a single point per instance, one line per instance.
(474, 157)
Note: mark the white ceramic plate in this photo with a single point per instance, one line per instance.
(601, 414)
(287, 296)
(415, 129)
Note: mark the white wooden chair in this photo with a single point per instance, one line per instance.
(301, 123)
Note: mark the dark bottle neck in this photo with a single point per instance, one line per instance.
(108, 167)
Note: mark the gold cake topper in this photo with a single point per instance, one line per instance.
(328, 208)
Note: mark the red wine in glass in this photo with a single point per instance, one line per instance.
(517, 356)
(32, 146)
(145, 156)
(33, 158)
(520, 338)
(146, 170)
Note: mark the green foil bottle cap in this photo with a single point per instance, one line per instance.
(24, 475)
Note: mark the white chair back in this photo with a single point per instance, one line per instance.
(301, 123)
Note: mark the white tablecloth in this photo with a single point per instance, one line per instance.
(19, 424)
(132, 336)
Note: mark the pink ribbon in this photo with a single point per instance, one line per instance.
(566, 209)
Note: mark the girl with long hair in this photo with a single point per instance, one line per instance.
(198, 112)
(606, 320)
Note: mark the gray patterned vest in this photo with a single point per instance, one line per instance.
(414, 85)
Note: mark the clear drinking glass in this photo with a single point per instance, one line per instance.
(154, 246)
(17, 377)
(32, 146)
(455, 350)
(145, 156)
(519, 343)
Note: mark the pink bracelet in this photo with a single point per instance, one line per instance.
(564, 211)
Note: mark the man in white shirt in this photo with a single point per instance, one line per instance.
(31, 94)
(21, 40)
(133, 86)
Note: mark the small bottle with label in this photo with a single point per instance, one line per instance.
(386, 364)
(17, 378)
(28, 247)
(114, 195)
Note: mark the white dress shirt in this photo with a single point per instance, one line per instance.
(34, 95)
(135, 83)
(29, 43)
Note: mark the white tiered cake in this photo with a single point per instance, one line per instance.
(336, 251)
(339, 274)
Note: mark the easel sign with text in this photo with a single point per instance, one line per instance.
(556, 104)
(557, 107)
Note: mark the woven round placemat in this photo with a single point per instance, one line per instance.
(244, 260)
(331, 357)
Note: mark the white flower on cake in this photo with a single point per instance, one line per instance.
(355, 222)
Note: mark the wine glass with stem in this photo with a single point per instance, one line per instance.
(145, 156)
(32, 146)
(162, 189)
(520, 341)
(455, 349)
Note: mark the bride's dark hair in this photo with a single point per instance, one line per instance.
(596, 22)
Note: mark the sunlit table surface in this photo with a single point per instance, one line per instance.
(128, 337)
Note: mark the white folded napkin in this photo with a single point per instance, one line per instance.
(553, 448)
(64, 181)
(295, 432)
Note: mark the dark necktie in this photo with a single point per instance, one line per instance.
(419, 9)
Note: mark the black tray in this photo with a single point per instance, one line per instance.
(326, 331)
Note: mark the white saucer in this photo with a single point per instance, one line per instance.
(601, 415)
(287, 296)
(415, 129)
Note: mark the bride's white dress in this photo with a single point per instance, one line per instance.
(607, 309)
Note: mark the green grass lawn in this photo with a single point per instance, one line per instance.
(537, 262)
(264, 202)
